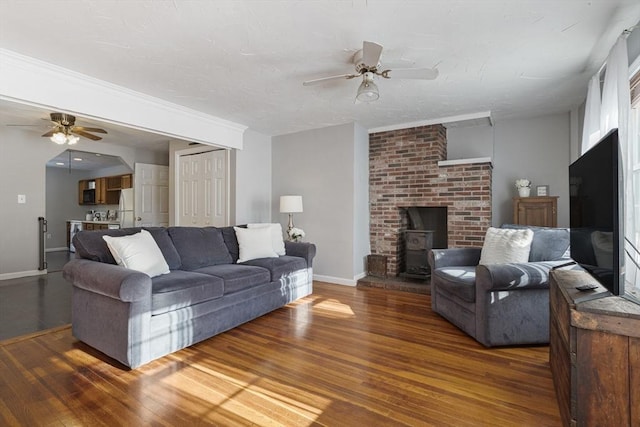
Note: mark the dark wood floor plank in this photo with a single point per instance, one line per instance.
(341, 356)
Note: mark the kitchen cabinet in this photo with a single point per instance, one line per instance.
(118, 182)
(82, 185)
(127, 181)
(536, 211)
(99, 186)
(94, 226)
(107, 189)
(101, 191)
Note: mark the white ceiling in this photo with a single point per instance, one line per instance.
(245, 61)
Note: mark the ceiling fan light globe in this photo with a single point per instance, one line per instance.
(72, 139)
(59, 138)
(367, 92)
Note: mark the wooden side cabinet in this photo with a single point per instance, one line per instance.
(536, 211)
(594, 353)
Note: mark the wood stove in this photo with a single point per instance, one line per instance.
(428, 230)
(418, 243)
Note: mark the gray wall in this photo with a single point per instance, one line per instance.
(320, 166)
(23, 172)
(361, 239)
(253, 179)
(536, 148)
(470, 142)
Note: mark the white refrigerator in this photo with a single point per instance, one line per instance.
(125, 210)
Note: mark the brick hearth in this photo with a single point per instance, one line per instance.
(404, 172)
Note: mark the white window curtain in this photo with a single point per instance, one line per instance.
(591, 127)
(615, 112)
(616, 94)
(633, 203)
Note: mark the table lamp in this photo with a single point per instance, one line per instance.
(290, 205)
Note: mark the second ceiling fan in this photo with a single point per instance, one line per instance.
(65, 131)
(367, 65)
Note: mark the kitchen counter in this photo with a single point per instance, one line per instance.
(96, 222)
(73, 227)
(94, 225)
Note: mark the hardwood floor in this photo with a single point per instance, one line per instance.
(342, 356)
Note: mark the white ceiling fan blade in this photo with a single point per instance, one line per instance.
(413, 73)
(371, 54)
(324, 79)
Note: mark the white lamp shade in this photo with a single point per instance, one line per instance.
(290, 204)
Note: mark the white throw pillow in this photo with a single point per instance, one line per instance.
(254, 243)
(276, 236)
(138, 252)
(504, 245)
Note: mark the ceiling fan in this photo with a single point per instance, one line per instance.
(65, 131)
(367, 65)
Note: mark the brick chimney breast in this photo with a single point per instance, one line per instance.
(404, 172)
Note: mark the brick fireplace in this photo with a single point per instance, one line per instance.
(404, 172)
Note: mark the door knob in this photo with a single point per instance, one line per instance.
(138, 219)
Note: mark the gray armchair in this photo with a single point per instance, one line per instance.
(498, 304)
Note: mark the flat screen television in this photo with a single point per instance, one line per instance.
(596, 213)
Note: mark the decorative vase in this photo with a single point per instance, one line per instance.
(524, 191)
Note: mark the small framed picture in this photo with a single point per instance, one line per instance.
(542, 190)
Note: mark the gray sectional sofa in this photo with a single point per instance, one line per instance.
(134, 319)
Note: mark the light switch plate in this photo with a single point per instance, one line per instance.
(22, 198)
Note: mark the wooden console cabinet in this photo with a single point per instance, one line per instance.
(536, 211)
(594, 353)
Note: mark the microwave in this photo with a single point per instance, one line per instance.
(89, 197)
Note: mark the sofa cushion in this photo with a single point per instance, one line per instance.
(182, 288)
(138, 252)
(504, 245)
(459, 281)
(548, 244)
(237, 277)
(161, 236)
(230, 239)
(254, 243)
(91, 245)
(199, 247)
(279, 267)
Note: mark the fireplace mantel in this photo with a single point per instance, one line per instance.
(456, 162)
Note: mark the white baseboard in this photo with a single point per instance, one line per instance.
(62, 248)
(334, 280)
(19, 274)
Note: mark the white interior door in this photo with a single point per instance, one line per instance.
(217, 177)
(189, 190)
(151, 195)
(203, 189)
